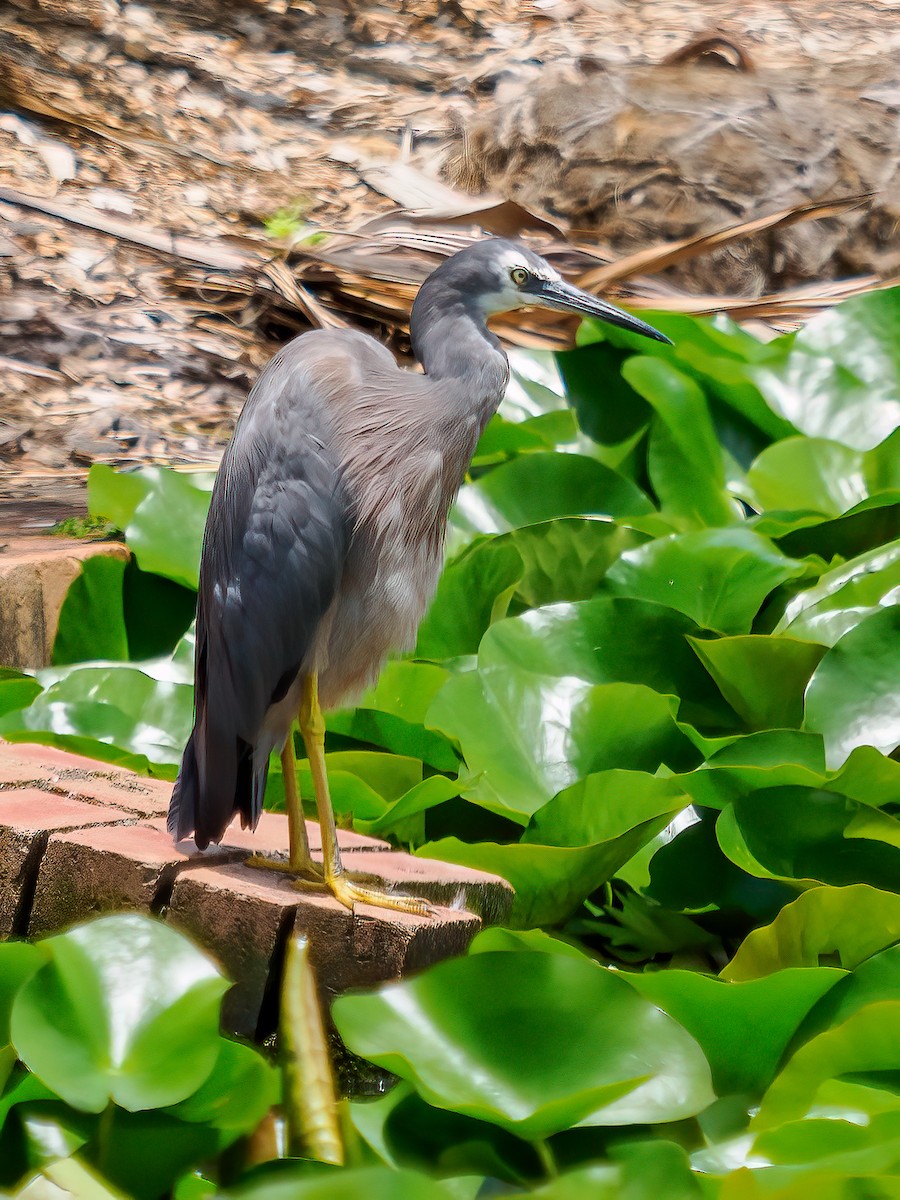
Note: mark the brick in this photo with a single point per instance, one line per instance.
(373, 945)
(108, 869)
(27, 816)
(271, 837)
(241, 915)
(141, 797)
(244, 915)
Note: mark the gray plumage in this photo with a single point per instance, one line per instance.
(324, 540)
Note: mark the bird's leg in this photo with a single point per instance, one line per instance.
(299, 860)
(338, 882)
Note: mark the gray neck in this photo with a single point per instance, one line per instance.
(451, 340)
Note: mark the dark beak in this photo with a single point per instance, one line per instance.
(553, 294)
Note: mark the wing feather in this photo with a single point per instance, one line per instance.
(273, 551)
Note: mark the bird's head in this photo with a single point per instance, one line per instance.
(499, 275)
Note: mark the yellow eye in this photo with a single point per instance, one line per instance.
(519, 276)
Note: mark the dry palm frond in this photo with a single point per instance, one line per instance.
(370, 277)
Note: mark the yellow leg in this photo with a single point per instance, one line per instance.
(312, 726)
(299, 860)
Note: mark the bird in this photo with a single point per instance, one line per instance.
(325, 535)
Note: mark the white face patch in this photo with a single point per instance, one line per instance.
(509, 297)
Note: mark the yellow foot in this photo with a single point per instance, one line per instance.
(306, 871)
(350, 893)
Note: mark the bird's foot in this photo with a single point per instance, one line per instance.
(350, 893)
(307, 872)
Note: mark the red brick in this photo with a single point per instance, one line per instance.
(244, 916)
(27, 815)
(48, 760)
(107, 869)
(271, 837)
(140, 796)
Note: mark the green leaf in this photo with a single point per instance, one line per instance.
(608, 408)
(18, 962)
(566, 559)
(611, 640)
(762, 678)
(717, 577)
(743, 1028)
(540, 487)
(843, 596)
(839, 925)
(116, 494)
(685, 459)
(841, 376)
(474, 590)
(808, 473)
(853, 698)
(118, 705)
(125, 1010)
(865, 1043)
(573, 844)
(16, 690)
(529, 736)
(798, 833)
(92, 617)
(166, 528)
(237, 1093)
(534, 1043)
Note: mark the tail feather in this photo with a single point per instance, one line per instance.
(182, 816)
(204, 802)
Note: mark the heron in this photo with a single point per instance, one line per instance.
(325, 535)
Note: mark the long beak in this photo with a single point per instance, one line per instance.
(553, 294)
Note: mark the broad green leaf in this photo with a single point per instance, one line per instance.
(611, 640)
(116, 704)
(496, 939)
(567, 558)
(762, 678)
(743, 1028)
(835, 925)
(608, 408)
(237, 1093)
(529, 736)
(116, 494)
(853, 698)
(838, 1143)
(18, 962)
(841, 377)
(685, 459)
(878, 978)
(124, 1010)
(844, 596)
(573, 844)
(395, 734)
(808, 473)
(865, 1043)
(474, 591)
(166, 528)
(532, 1042)
(16, 690)
(404, 819)
(540, 487)
(717, 577)
(771, 758)
(799, 833)
(92, 617)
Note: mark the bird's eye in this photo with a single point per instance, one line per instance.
(519, 276)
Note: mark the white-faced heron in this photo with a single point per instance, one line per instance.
(325, 535)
